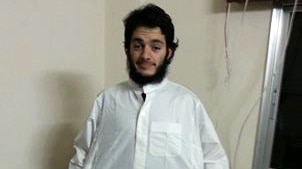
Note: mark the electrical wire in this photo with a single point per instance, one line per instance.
(242, 128)
(290, 27)
(261, 95)
(244, 10)
(226, 41)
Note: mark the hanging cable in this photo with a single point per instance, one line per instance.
(242, 128)
(262, 93)
(226, 40)
(244, 10)
(290, 27)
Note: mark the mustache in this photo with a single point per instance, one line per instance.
(144, 61)
(143, 80)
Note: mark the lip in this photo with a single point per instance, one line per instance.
(145, 65)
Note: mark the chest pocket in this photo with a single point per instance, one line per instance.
(165, 139)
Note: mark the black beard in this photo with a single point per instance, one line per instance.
(142, 80)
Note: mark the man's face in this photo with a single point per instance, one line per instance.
(147, 53)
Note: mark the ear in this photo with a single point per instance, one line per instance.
(126, 51)
(169, 55)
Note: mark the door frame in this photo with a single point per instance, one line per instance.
(278, 40)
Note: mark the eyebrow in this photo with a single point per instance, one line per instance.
(152, 41)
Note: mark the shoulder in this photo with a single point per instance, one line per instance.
(184, 96)
(181, 94)
(179, 89)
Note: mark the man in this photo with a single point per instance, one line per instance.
(148, 122)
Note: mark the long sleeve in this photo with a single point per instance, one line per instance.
(84, 140)
(213, 152)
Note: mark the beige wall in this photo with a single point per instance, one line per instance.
(51, 68)
(56, 55)
(200, 63)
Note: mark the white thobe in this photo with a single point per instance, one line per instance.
(169, 130)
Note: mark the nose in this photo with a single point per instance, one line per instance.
(146, 52)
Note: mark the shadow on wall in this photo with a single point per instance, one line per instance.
(59, 150)
(68, 98)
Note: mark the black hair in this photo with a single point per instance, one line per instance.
(150, 16)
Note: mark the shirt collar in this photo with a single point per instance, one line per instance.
(149, 87)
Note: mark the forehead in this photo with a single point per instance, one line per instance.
(148, 34)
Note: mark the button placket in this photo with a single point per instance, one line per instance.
(142, 136)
